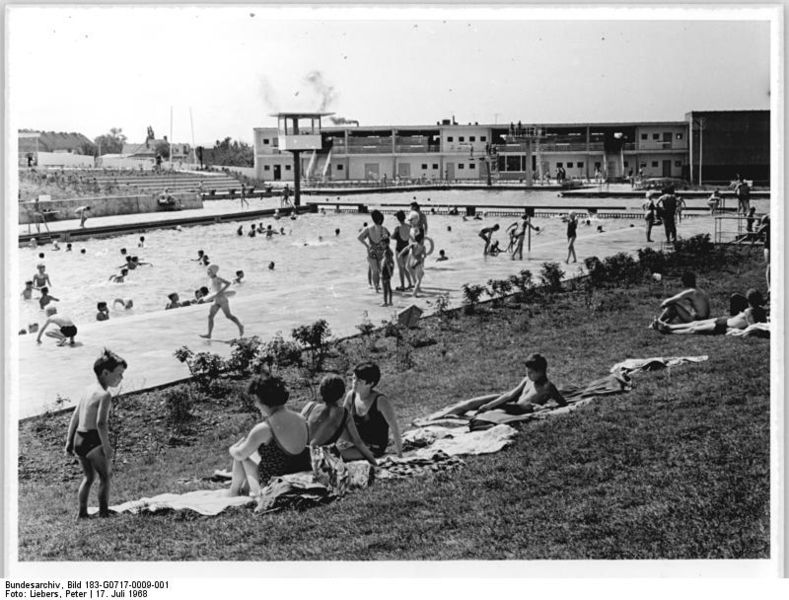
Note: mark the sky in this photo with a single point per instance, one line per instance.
(222, 71)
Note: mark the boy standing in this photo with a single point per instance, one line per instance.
(486, 233)
(88, 432)
(387, 270)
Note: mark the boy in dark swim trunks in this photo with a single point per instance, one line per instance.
(66, 328)
(691, 304)
(88, 432)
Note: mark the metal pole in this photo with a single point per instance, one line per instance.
(528, 228)
(691, 148)
(701, 148)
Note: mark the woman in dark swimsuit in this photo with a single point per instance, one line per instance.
(402, 235)
(280, 440)
(372, 414)
(572, 226)
(378, 237)
(327, 422)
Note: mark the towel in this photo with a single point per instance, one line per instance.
(632, 365)
(205, 502)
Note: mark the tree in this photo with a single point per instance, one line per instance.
(163, 150)
(229, 153)
(112, 142)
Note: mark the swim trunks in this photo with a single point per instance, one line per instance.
(721, 324)
(85, 441)
(68, 330)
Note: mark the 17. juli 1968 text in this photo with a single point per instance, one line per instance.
(89, 588)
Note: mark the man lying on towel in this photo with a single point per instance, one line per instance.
(535, 389)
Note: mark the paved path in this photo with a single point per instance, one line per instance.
(147, 341)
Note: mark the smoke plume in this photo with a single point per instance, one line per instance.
(269, 95)
(343, 121)
(322, 88)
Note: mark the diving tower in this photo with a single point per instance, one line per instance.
(299, 132)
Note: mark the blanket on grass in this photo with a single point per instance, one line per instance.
(204, 502)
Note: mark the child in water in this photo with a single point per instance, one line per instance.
(239, 277)
(120, 278)
(103, 311)
(46, 298)
(66, 328)
(27, 293)
(88, 431)
(127, 304)
(442, 256)
(41, 278)
(175, 301)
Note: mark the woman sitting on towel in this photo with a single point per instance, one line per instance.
(372, 414)
(328, 421)
(275, 447)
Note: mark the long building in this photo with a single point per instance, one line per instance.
(449, 151)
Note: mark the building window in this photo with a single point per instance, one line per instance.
(679, 136)
(643, 165)
(450, 138)
(559, 165)
(461, 166)
(654, 164)
(265, 140)
(569, 165)
(597, 165)
(627, 164)
(266, 168)
(287, 167)
(435, 165)
(339, 167)
(472, 166)
(580, 165)
(461, 139)
(644, 136)
(472, 138)
(483, 138)
(424, 167)
(677, 163)
(655, 136)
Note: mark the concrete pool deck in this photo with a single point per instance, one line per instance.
(147, 341)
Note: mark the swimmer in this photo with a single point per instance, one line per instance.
(442, 256)
(276, 213)
(200, 255)
(123, 253)
(239, 277)
(55, 245)
(138, 263)
(220, 302)
(282, 231)
(337, 231)
(261, 228)
(206, 260)
(141, 243)
(66, 328)
(46, 298)
(83, 251)
(68, 247)
(103, 312)
(127, 304)
(494, 249)
(416, 260)
(27, 293)
(41, 254)
(486, 233)
(239, 231)
(32, 328)
(41, 278)
(449, 227)
(252, 231)
(119, 278)
(33, 243)
(271, 266)
(270, 231)
(88, 431)
(82, 212)
(175, 301)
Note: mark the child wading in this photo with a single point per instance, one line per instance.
(88, 432)
(220, 299)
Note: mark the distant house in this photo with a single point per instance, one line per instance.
(147, 149)
(32, 143)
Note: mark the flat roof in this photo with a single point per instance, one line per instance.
(301, 115)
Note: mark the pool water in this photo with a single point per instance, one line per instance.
(309, 255)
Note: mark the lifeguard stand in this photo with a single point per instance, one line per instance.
(296, 136)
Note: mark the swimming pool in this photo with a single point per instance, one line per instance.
(309, 252)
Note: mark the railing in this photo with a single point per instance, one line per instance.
(417, 148)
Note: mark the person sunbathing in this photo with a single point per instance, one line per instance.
(534, 390)
(279, 441)
(691, 304)
(755, 313)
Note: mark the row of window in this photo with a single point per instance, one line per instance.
(471, 138)
(656, 136)
(570, 165)
(268, 167)
(482, 138)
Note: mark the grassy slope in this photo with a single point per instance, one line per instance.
(677, 468)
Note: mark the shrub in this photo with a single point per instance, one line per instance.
(498, 289)
(244, 354)
(652, 260)
(551, 275)
(178, 402)
(471, 295)
(524, 284)
(204, 367)
(596, 271)
(277, 354)
(623, 268)
(314, 338)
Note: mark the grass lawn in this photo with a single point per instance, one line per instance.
(676, 468)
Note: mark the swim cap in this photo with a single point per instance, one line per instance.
(213, 268)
